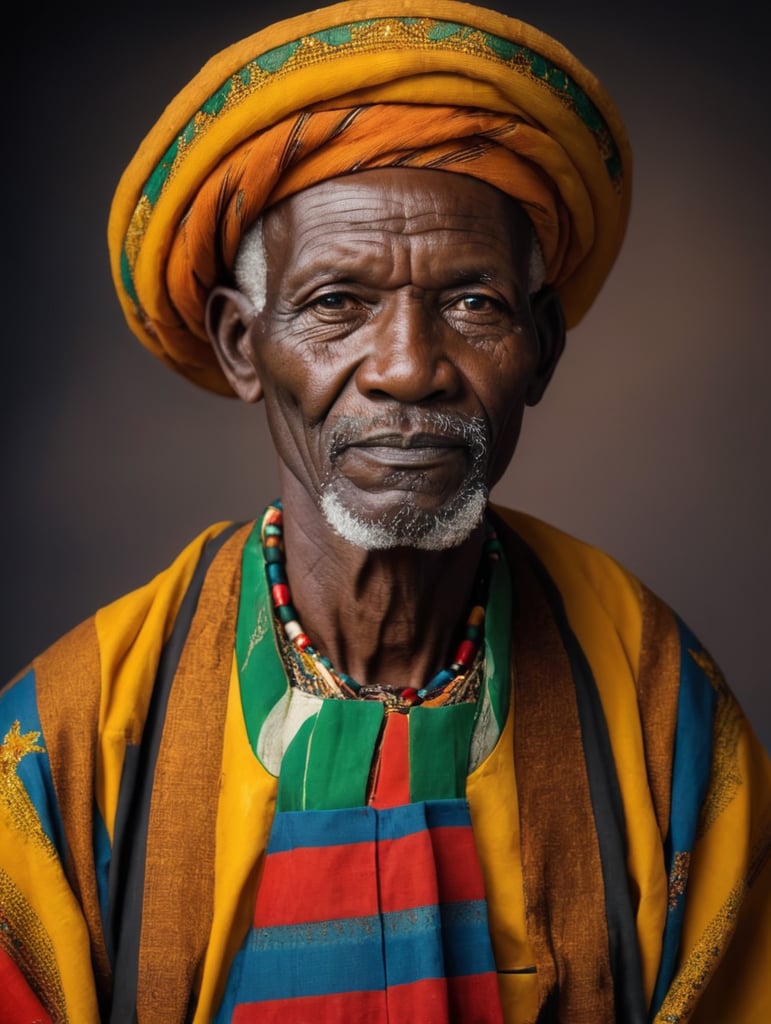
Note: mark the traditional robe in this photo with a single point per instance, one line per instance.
(184, 838)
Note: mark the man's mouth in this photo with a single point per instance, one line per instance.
(396, 449)
(406, 442)
(418, 441)
(428, 455)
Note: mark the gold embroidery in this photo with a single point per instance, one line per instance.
(25, 940)
(136, 230)
(678, 878)
(307, 675)
(258, 635)
(725, 777)
(13, 793)
(697, 969)
(16, 744)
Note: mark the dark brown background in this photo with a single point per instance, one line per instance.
(653, 441)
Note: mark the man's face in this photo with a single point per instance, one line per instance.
(397, 349)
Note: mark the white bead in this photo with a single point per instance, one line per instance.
(292, 628)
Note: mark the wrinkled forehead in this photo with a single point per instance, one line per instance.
(398, 206)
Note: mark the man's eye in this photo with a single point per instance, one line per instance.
(333, 301)
(476, 303)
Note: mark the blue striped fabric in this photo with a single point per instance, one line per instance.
(406, 934)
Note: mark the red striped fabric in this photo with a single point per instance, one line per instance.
(369, 915)
(423, 1002)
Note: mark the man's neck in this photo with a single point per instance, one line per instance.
(388, 618)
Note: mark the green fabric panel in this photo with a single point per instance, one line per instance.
(327, 764)
(291, 781)
(341, 753)
(440, 738)
(439, 745)
(261, 671)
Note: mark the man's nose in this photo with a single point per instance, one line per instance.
(410, 358)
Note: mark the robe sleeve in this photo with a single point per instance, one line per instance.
(720, 882)
(45, 949)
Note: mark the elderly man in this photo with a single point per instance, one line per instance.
(388, 753)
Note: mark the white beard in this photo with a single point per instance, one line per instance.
(410, 527)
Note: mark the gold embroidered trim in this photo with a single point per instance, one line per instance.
(725, 777)
(694, 974)
(25, 940)
(13, 794)
(678, 878)
(303, 674)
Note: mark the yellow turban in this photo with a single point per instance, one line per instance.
(362, 84)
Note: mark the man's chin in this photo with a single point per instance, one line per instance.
(408, 526)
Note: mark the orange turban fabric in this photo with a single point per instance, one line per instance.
(398, 83)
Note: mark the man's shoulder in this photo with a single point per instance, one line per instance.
(624, 629)
(139, 622)
(570, 561)
(606, 606)
(102, 673)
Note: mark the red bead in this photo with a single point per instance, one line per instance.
(409, 695)
(280, 594)
(465, 652)
(273, 516)
(301, 641)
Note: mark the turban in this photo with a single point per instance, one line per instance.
(364, 84)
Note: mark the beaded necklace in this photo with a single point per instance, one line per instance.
(340, 684)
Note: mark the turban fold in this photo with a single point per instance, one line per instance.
(395, 83)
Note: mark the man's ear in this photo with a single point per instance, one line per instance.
(230, 325)
(550, 326)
